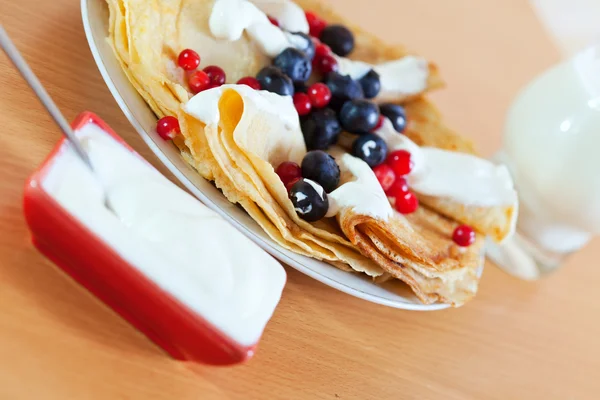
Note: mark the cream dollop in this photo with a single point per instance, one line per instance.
(289, 15)
(204, 106)
(170, 237)
(402, 77)
(364, 195)
(230, 18)
(465, 178)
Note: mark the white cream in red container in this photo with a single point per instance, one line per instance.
(175, 269)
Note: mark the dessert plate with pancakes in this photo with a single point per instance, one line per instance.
(311, 136)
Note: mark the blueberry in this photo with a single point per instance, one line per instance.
(303, 42)
(309, 200)
(321, 129)
(343, 88)
(396, 114)
(371, 84)
(321, 168)
(371, 149)
(359, 116)
(273, 80)
(294, 63)
(339, 38)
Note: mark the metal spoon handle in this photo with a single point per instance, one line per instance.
(14, 55)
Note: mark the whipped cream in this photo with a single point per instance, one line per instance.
(364, 195)
(462, 177)
(403, 77)
(204, 106)
(169, 236)
(229, 19)
(289, 15)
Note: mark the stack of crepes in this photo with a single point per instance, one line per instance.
(235, 136)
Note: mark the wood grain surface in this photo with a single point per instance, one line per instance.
(516, 340)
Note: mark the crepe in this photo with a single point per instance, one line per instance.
(244, 144)
(426, 128)
(416, 248)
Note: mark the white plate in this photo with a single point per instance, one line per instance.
(95, 21)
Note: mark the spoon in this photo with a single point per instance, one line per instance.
(15, 56)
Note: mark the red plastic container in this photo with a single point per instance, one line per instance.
(58, 235)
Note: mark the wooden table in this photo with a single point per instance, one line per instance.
(516, 340)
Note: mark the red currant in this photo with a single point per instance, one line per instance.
(302, 103)
(198, 81)
(216, 75)
(273, 21)
(326, 64)
(250, 81)
(319, 95)
(188, 59)
(398, 188)
(379, 123)
(401, 162)
(407, 203)
(321, 49)
(167, 127)
(288, 171)
(385, 175)
(315, 23)
(464, 236)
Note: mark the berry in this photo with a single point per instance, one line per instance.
(309, 200)
(370, 148)
(406, 203)
(273, 21)
(385, 175)
(304, 43)
(188, 59)
(250, 81)
(339, 38)
(198, 81)
(325, 64)
(343, 88)
(273, 80)
(167, 127)
(371, 84)
(464, 236)
(379, 123)
(319, 95)
(294, 63)
(396, 114)
(321, 168)
(398, 188)
(216, 74)
(288, 171)
(321, 49)
(401, 162)
(359, 116)
(315, 23)
(321, 129)
(302, 104)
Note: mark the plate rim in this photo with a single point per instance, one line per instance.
(272, 249)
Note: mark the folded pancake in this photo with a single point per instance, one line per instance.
(416, 248)
(244, 133)
(426, 128)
